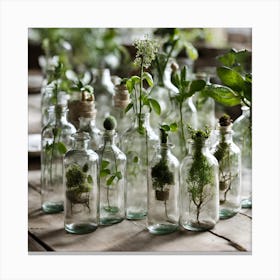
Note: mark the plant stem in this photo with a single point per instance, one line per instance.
(182, 131)
(166, 214)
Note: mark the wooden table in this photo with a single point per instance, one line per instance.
(46, 231)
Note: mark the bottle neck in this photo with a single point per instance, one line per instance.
(58, 114)
(81, 140)
(225, 134)
(198, 147)
(246, 112)
(142, 120)
(85, 123)
(109, 137)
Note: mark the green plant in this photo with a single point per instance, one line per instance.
(162, 177)
(236, 80)
(187, 88)
(200, 174)
(146, 53)
(78, 185)
(223, 155)
(87, 91)
(109, 171)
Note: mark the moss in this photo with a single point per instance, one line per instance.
(110, 123)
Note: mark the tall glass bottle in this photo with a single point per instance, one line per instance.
(229, 159)
(242, 136)
(199, 185)
(138, 144)
(88, 125)
(163, 190)
(112, 177)
(80, 174)
(56, 140)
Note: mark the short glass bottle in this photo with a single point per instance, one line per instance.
(88, 125)
(163, 190)
(56, 140)
(229, 159)
(138, 145)
(242, 136)
(199, 186)
(80, 175)
(112, 177)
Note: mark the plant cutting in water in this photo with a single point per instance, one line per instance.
(162, 177)
(146, 53)
(78, 185)
(200, 174)
(222, 154)
(109, 171)
(187, 88)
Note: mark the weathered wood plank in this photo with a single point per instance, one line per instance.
(34, 113)
(34, 246)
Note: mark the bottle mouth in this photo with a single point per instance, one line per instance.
(81, 136)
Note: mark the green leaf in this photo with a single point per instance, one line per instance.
(175, 79)
(227, 59)
(61, 148)
(104, 164)
(155, 105)
(148, 77)
(196, 85)
(231, 78)
(135, 159)
(104, 172)
(129, 85)
(247, 91)
(119, 175)
(183, 74)
(128, 107)
(165, 127)
(173, 127)
(85, 167)
(222, 94)
(110, 180)
(89, 179)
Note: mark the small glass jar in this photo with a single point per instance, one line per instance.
(88, 125)
(56, 140)
(163, 191)
(242, 136)
(229, 159)
(138, 145)
(199, 187)
(112, 180)
(80, 174)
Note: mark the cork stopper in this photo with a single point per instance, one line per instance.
(121, 97)
(225, 123)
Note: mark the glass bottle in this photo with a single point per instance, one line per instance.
(138, 144)
(120, 101)
(199, 186)
(112, 177)
(242, 136)
(229, 159)
(163, 190)
(80, 175)
(104, 92)
(56, 140)
(87, 124)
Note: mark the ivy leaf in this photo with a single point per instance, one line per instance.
(61, 148)
(231, 78)
(222, 94)
(155, 105)
(119, 175)
(110, 180)
(104, 164)
(89, 179)
(148, 77)
(104, 172)
(128, 107)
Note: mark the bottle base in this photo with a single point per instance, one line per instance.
(80, 228)
(161, 229)
(226, 213)
(110, 221)
(198, 226)
(136, 215)
(246, 203)
(52, 207)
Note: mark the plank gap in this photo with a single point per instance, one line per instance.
(40, 242)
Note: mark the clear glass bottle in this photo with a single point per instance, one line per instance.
(88, 125)
(80, 175)
(112, 177)
(56, 140)
(229, 159)
(163, 190)
(242, 136)
(199, 186)
(138, 145)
